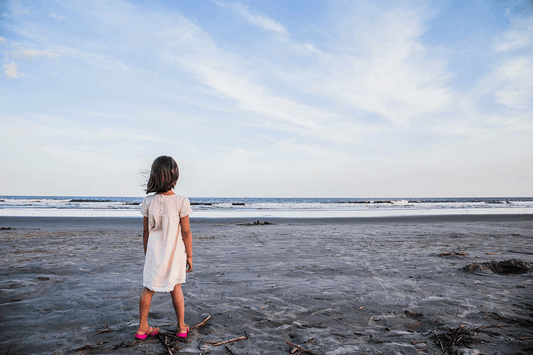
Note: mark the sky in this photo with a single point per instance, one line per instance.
(281, 98)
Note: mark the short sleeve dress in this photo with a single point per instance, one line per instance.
(166, 260)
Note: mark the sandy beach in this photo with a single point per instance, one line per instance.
(331, 286)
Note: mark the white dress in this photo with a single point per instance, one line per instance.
(166, 260)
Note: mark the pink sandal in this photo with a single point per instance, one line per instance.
(183, 335)
(151, 331)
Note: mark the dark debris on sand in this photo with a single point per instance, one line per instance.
(450, 340)
(256, 223)
(512, 266)
(453, 253)
(455, 337)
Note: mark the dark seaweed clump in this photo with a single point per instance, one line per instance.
(512, 266)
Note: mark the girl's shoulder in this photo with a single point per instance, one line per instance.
(182, 200)
(165, 199)
(148, 198)
(179, 197)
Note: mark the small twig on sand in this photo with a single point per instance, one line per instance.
(300, 348)
(489, 326)
(360, 308)
(519, 252)
(226, 341)
(453, 253)
(442, 347)
(86, 347)
(105, 329)
(524, 338)
(201, 324)
(231, 351)
(163, 341)
(457, 332)
(266, 305)
(494, 253)
(260, 241)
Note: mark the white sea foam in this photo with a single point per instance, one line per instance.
(33, 212)
(265, 207)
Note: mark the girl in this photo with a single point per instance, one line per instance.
(167, 243)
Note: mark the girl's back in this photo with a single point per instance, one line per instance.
(165, 263)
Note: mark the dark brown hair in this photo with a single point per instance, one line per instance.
(163, 176)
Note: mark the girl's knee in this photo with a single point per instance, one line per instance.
(147, 292)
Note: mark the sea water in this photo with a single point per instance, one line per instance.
(209, 207)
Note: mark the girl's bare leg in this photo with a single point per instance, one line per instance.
(179, 306)
(144, 308)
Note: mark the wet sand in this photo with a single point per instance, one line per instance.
(332, 286)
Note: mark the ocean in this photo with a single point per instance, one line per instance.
(214, 207)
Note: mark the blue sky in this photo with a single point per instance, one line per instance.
(268, 98)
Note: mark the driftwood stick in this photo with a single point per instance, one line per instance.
(360, 308)
(260, 241)
(106, 329)
(201, 324)
(300, 348)
(494, 253)
(520, 252)
(231, 351)
(85, 347)
(226, 341)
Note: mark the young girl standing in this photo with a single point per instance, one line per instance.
(167, 243)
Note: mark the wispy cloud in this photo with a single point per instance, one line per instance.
(11, 70)
(261, 21)
(57, 17)
(520, 35)
(32, 53)
(516, 76)
(384, 69)
(57, 128)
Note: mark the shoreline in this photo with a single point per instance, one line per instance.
(289, 213)
(127, 222)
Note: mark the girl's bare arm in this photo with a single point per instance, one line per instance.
(187, 240)
(145, 233)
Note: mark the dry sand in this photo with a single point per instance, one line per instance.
(332, 286)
